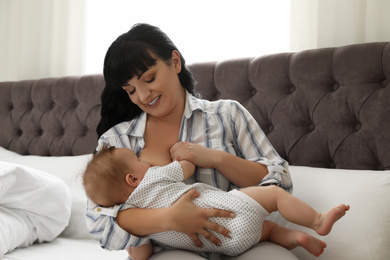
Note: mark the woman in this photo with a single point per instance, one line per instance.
(148, 105)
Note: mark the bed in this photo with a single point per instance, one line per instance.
(326, 111)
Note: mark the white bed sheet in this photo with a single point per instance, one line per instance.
(66, 249)
(364, 233)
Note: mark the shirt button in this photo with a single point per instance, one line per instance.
(284, 171)
(99, 209)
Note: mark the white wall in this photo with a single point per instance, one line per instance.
(332, 23)
(41, 38)
(203, 30)
(52, 38)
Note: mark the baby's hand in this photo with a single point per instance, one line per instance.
(188, 169)
(195, 153)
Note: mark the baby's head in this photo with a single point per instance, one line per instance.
(112, 175)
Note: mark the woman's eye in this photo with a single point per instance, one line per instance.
(150, 80)
(129, 92)
(129, 89)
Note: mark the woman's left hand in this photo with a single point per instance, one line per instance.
(241, 172)
(195, 153)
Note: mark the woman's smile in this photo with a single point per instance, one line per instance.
(154, 101)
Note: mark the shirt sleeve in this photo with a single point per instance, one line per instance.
(101, 222)
(252, 144)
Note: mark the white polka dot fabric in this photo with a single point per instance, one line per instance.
(162, 186)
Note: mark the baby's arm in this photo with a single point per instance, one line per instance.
(188, 169)
(140, 252)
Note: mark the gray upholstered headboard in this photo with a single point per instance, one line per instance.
(52, 116)
(325, 108)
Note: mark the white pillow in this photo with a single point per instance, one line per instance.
(364, 232)
(34, 206)
(69, 169)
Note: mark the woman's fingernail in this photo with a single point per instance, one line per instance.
(232, 215)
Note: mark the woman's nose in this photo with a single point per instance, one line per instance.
(144, 94)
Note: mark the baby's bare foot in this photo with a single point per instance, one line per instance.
(313, 245)
(326, 220)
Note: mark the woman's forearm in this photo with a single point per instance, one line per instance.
(241, 172)
(142, 222)
(142, 252)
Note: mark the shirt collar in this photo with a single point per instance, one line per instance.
(192, 104)
(137, 125)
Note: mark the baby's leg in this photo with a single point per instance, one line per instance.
(273, 198)
(290, 239)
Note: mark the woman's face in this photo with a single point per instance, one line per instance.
(158, 90)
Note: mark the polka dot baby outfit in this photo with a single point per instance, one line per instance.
(162, 186)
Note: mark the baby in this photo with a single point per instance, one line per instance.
(116, 175)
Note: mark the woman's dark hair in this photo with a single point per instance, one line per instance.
(128, 56)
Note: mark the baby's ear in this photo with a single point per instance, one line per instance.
(131, 180)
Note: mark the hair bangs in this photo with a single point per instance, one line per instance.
(132, 58)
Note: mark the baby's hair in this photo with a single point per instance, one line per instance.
(104, 174)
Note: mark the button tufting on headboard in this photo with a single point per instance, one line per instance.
(53, 116)
(326, 107)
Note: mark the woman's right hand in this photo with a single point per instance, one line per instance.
(187, 218)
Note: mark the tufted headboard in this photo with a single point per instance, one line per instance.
(324, 108)
(52, 116)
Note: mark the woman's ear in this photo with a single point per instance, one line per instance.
(131, 180)
(176, 61)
